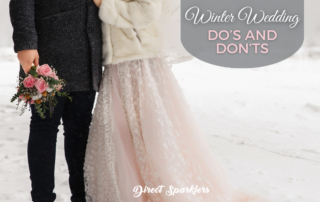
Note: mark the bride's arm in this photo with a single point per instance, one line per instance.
(130, 14)
(97, 2)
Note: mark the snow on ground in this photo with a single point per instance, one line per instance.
(262, 123)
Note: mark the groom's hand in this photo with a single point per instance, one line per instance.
(27, 57)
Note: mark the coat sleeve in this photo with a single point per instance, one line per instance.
(23, 22)
(136, 14)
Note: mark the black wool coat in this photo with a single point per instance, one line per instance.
(67, 35)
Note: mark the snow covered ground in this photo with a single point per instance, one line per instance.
(262, 123)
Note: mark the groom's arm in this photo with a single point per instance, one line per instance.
(23, 23)
(22, 14)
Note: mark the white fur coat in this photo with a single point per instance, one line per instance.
(129, 29)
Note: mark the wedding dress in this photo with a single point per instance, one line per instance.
(144, 133)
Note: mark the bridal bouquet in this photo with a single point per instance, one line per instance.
(39, 87)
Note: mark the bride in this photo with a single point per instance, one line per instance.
(144, 141)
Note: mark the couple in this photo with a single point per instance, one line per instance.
(142, 135)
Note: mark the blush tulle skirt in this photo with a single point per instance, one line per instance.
(143, 134)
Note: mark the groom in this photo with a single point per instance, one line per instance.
(65, 34)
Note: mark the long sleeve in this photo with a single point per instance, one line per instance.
(23, 22)
(137, 14)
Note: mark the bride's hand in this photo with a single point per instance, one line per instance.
(97, 2)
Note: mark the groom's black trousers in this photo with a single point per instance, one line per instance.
(76, 117)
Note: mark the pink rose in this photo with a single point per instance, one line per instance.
(54, 76)
(29, 81)
(31, 101)
(44, 70)
(21, 97)
(41, 85)
(58, 87)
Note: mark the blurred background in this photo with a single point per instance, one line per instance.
(261, 123)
